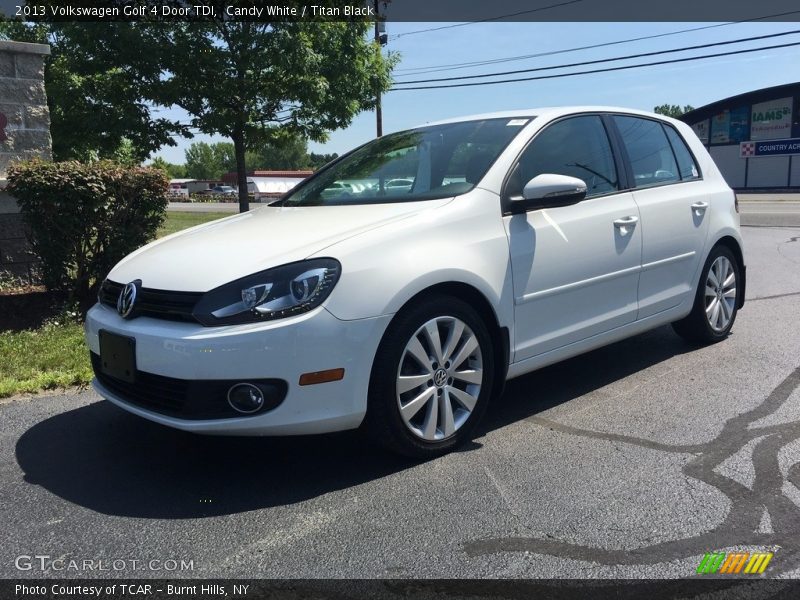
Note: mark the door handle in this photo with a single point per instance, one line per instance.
(625, 224)
(699, 207)
(626, 221)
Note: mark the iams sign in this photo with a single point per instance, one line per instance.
(771, 115)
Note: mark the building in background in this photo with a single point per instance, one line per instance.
(186, 187)
(179, 187)
(754, 137)
(269, 185)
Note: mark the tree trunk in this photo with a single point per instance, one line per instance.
(241, 171)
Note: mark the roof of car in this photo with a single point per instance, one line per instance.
(549, 112)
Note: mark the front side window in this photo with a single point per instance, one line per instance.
(577, 147)
(649, 151)
(440, 161)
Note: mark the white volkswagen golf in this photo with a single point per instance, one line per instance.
(517, 239)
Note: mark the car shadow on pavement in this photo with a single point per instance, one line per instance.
(562, 382)
(107, 460)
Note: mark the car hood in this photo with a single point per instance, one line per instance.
(204, 257)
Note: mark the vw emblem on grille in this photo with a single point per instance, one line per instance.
(127, 299)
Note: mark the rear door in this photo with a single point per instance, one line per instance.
(575, 268)
(672, 202)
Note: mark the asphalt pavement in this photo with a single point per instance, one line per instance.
(630, 461)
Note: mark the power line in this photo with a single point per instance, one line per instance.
(606, 70)
(465, 65)
(516, 14)
(602, 60)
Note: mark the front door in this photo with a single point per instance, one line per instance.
(575, 268)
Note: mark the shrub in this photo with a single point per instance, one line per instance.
(84, 218)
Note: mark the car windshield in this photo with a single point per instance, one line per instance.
(439, 161)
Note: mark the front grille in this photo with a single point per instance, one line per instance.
(185, 399)
(158, 304)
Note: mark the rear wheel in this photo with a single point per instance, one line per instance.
(432, 378)
(716, 302)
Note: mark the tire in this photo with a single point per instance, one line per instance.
(407, 373)
(707, 324)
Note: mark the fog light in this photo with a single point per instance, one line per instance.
(245, 398)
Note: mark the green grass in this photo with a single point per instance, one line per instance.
(183, 220)
(53, 356)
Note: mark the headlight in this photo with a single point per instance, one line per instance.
(272, 294)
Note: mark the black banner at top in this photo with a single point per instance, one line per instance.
(405, 10)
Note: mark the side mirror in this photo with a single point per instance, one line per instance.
(550, 190)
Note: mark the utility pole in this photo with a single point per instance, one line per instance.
(380, 40)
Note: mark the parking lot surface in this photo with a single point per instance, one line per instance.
(630, 461)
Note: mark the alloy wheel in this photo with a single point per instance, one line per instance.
(439, 378)
(720, 294)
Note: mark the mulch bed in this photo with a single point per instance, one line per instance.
(28, 307)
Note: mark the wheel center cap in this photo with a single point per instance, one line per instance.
(440, 378)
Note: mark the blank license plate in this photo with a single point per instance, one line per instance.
(118, 356)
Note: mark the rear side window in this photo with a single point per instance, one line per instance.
(686, 163)
(577, 147)
(649, 150)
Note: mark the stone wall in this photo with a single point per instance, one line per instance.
(24, 132)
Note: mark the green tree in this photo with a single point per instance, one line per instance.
(226, 157)
(127, 154)
(172, 170)
(317, 161)
(253, 82)
(209, 161)
(202, 162)
(98, 81)
(285, 152)
(672, 110)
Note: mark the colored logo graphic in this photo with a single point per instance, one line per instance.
(733, 563)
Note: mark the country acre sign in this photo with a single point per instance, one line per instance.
(769, 148)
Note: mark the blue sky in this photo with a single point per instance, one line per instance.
(696, 83)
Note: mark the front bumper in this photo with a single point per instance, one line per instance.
(284, 349)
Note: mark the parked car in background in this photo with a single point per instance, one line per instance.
(523, 238)
(399, 186)
(224, 190)
(336, 189)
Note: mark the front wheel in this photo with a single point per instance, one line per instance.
(432, 378)
(716, 302)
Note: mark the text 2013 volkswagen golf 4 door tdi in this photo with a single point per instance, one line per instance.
(516, 240)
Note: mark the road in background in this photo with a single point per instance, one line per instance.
(206, 207)
(770, 213)
(630, 461)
